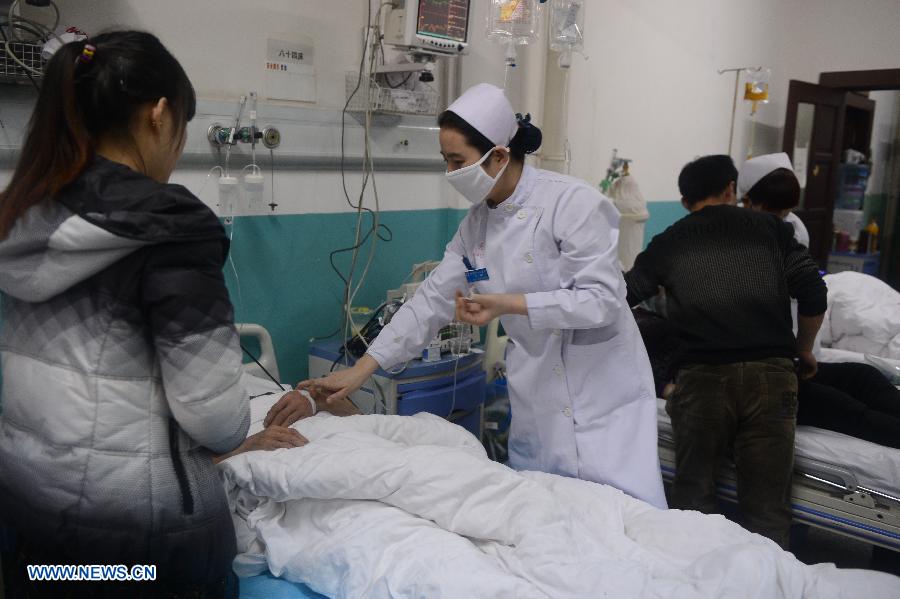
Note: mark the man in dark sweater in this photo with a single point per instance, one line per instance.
(729, 275)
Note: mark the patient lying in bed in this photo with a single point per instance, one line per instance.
(388, 506)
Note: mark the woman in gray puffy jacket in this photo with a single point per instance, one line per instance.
(120, 361)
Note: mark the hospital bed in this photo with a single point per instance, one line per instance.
(841, 484)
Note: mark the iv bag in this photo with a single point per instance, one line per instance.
(756, 90)
(567, 25)
(514, 21)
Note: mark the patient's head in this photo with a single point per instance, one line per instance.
(777, 192)
(709, 180)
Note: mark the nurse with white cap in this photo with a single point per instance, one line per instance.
(768, 183)
(538, 250)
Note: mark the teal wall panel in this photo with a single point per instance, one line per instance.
(284, 280)
(662, 214)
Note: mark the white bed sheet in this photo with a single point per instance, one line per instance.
(873, 465)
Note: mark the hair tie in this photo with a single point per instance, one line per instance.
(87, 54)
(524, 121)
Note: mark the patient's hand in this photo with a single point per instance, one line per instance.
(273, 437)
(293, 406)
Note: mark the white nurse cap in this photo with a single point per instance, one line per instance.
(486, 108)
(756, 168)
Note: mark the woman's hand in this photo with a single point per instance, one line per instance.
(479, 309)
(338, 385)
(273, 437)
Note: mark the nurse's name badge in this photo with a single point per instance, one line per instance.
(480, 274)
(473, 275)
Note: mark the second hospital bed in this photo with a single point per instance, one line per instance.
(841, 483)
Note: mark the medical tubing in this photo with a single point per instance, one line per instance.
(187, 500)
(206, 182)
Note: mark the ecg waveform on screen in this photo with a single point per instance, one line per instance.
(444, 18)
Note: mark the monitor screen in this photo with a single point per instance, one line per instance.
(446, 19)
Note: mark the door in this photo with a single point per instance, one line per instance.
(813, 131)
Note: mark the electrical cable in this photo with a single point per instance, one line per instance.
(272, 161)
(387, 78)
(455, 384)
(252, 357)
(14, 58)
(368, 155)
(13, 17)
(368, 174)
(41, 32)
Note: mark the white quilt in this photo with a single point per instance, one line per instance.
(392, 506)
(863, 317)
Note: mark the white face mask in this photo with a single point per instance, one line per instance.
(473, 182)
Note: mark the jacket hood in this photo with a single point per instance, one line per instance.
(107, 213)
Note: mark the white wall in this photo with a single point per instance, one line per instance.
(222, 43)
(651, 89)
(839, 35)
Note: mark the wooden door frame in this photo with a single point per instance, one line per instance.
(836, 99)
(862, 81)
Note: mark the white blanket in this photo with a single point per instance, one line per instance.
(391, 506)
(863, 316)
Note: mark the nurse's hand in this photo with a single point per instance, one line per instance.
(338, 385)
(479, 309)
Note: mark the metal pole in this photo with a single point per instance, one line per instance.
(737, 84)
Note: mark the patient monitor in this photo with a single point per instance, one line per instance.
(430, 26)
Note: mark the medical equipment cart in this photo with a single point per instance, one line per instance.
(415, 387)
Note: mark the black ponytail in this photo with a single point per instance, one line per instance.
(527, 139)
(91, 91)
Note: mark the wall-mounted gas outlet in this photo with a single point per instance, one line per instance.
(271, 137)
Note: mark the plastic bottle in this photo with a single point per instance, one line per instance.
(872, 230)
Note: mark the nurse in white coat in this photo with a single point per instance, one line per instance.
(580, 384)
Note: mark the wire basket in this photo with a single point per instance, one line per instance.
(30, 54)
(388, 100)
